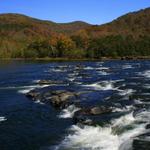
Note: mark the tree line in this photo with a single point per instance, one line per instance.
(80, 45)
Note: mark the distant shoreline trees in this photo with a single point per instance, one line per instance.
(81, 46)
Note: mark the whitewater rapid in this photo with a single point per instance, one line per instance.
(110, 137)
(119, 133)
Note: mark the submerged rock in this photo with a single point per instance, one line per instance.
(141, 144)
(41, 82)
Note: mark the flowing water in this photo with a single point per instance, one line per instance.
(33, 125)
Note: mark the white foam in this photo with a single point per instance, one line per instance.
(124, 120)
(126, 92)
(58, 70)
(119, 80)
(103, 73)
(39, 102)
(103, 68)
(26, 89)
(105, 85)
(145, 74)
(104, 138)
(68, 112)
(2, 119)
(55, 70)
(88, 68)
(127, 66)
(93, 138)
(36, 81)
(71, 79)
(126, 139)
(125, 109)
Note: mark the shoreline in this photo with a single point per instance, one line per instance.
(77, 59)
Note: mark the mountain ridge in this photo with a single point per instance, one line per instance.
(20, 32)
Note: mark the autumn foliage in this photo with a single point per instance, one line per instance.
(25, 37)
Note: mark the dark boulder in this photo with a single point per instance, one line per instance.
(62, 99)
(92, 116)
(97, 110)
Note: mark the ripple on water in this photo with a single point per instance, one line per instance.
(26, 89)
(145, 74)
(104, 85)
(2, 119)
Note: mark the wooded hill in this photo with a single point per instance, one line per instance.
(25, 37)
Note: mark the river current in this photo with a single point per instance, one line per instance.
(33, 125)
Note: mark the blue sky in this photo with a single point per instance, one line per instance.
(92, 11)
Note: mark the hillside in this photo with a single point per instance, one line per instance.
(21, 24)
(23, 36)
(135, 23)
(16, 31)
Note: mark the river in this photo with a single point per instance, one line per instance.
(33, 125)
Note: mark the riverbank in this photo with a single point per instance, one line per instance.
(81, 59)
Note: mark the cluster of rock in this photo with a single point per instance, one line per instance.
(58, 99)
(61, 99)
(89, 115)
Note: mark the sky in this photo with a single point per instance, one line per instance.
(61, 11)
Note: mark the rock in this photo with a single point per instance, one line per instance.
(33, 94)
(41, 82)
(92, 116)
(81, 119)
(58, 98)
(62, 99)
(95, 110)
(66, 95)
(57, 92)
(100, 110)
